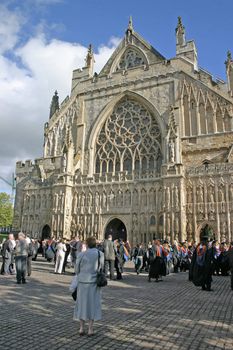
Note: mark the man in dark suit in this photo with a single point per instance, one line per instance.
(109, 256)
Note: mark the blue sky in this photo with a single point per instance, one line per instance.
(208, 22)
(38, 36)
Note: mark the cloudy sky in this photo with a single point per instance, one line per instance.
(42, 41)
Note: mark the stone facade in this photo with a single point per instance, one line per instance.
(147, 141)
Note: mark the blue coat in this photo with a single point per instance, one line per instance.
(87, 265)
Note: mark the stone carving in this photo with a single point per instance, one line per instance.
(119, 199)
(111, 199)
(167, 197)
(97, 200)
(104, 200)
(135, 222)
(176, 197)
(127, 198)
(190, 195)
(177, 225)
(168, 224)
(143, 197)
(223, 230)
(200, 195)
(221, 199)
(171, 148)
(135, 197)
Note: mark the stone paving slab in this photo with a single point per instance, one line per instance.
(173, 314)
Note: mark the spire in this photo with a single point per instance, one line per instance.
(54, 106)
(180, 33)
(89, 56)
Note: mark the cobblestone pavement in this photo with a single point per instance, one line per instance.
(173, 314)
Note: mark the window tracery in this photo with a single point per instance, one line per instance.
(131, 58)
(129, 140)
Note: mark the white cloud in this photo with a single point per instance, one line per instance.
(28, 85)
(10, 24)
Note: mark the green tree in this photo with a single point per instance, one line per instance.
(6, 210)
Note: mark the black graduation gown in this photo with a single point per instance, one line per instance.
(201, 275)
(157, 268)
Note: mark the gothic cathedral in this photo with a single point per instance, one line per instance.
(143, 149)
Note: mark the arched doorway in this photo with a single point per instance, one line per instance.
(117, 229)
(46, 232)
(206, 233)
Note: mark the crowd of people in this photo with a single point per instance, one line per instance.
(157, 259)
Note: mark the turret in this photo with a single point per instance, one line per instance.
(229, 71)
(185, 49)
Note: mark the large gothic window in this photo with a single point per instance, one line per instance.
(129, 140)
(131, 58)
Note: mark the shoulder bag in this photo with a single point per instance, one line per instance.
(101, 279)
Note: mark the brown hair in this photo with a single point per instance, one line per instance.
(91, 242)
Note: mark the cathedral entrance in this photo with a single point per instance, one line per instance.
(117, 229)
(46, 232)
(206, 233)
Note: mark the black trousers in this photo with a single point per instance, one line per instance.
(109, 264)
(21, 268)
(29, 265)
(232, 278)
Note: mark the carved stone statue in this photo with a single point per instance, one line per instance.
(97, 199)
(135, 222)
(111, 199)
(176, 197)
(190, 195)
(168, 224)
(127, 198)
(200, 195)
(171, 151)
(104, 200)
(54, 104)
(167, 196)
(177, 225)
(221, 197)
(64, 163)
(211, 195)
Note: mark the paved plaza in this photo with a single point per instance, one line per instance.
(172, 314)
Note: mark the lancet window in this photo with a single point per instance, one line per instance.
(129, 140)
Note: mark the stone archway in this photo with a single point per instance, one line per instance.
(46, 232)
(205, 231)
(117, 229)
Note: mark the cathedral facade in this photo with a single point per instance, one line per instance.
(142, 149)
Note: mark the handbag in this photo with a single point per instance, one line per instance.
(101, 279)
(74, 294)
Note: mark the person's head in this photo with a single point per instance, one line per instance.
(21, 236)
(91, 242)
(11, 236)
(110, 237)
(77, 238)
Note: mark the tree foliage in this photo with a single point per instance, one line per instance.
(6, 210)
